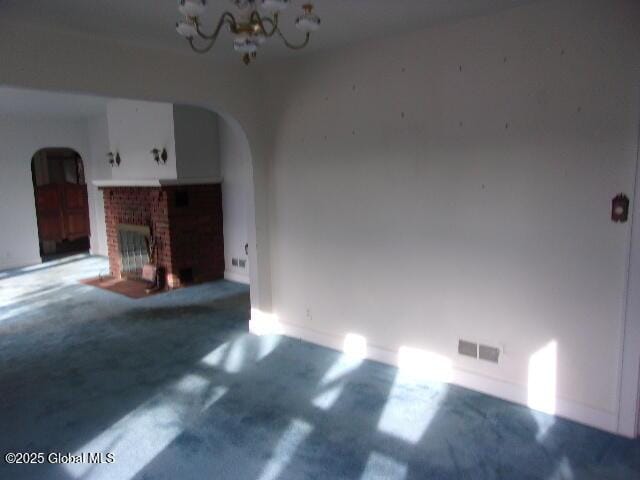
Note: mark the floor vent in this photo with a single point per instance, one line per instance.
(490, 354)
(468, 349)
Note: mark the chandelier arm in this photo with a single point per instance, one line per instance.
(294, 46)
(255, 17)
(226, 18)
(197, 49)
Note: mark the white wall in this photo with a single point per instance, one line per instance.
(196, 130)
(98, 137)
(457, 182)
(21, 138)
(236, 195)
(189, 134)
(135, 129)
(197, 142)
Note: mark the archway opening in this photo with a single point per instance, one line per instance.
(116, 138)
(62, 207)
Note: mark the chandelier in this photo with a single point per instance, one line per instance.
(250, 28)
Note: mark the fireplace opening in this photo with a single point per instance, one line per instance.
(133, 245)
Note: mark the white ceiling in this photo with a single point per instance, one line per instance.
(39, 104)
(151, 22)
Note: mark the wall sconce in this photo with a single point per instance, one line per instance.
(114, 160)
(160, 156)
(620, 208)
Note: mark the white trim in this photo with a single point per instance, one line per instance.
(162, 182)
(508, 391)
(629, 380)
(236, 277)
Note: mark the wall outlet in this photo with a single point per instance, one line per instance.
(234, 262)
(242, 263)
(309, 316)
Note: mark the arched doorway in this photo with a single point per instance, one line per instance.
(61, 202)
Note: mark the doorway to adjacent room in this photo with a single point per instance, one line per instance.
(61, 202)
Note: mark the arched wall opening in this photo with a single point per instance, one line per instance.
(98, 151)
(23, 136)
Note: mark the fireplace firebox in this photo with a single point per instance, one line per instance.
(134, 247)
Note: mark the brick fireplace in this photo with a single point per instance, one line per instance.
(185, 225)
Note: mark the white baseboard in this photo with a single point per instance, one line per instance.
(571, 410)
(236, 277)
(20, 263)
(98, 252)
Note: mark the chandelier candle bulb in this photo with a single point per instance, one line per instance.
(243, 4)
(259, 38)
(186, 28)
(243, 43)
(273, 6)
(192, 8)
(308, 21)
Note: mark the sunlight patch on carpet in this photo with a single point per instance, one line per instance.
(284, 451)
(381, 466)
(142, 434)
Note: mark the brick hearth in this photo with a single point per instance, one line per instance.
(185, 222)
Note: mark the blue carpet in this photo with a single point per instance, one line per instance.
(174, 387)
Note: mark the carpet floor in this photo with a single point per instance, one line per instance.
(173, 387)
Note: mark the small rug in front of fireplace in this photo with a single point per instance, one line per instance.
(127, 287)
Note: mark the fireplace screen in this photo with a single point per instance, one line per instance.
(133, 242)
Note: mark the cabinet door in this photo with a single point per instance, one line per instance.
(49, 207)
(76, 211)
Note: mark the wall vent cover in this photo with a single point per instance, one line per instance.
(490, 354)
(468, 349)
